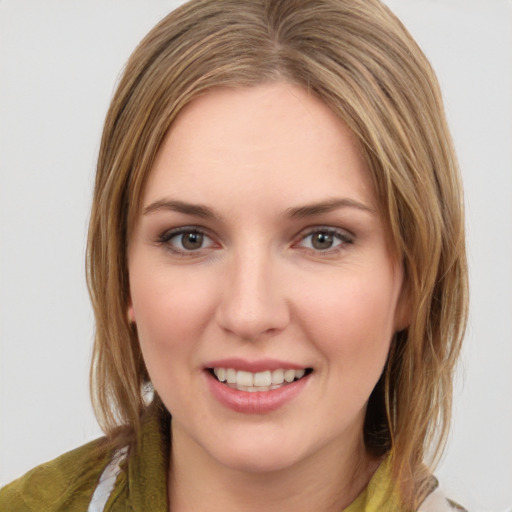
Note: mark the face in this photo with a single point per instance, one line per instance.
(262, 287)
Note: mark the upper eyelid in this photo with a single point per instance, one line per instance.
(164, 237)
(330, 229)
(344, 237)
(168, 234)
(171, 232)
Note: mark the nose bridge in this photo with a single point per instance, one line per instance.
(253, 302)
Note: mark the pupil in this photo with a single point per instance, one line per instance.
(322, 241)
(192, 240)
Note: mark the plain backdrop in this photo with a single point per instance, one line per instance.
(59, 61)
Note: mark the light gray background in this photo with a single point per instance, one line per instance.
(59, 61)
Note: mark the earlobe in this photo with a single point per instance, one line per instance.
(130, 314)
(402, 319)
(402, 312)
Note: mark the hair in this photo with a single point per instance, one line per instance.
(357, 57)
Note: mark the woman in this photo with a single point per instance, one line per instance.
(276, 260)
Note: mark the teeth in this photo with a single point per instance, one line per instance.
(231, 376)
(220, 373)
(259, 381)
(244, 378)
(262, 379)
(289, 375)
(277, 376)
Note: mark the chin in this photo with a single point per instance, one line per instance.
(259, 456)
(256, 461)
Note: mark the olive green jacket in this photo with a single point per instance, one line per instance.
(95, 479)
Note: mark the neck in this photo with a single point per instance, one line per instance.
(327, 481)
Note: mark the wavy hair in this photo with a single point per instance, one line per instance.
(358, 58)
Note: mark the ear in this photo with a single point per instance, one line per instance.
(403, 310)
(130, 314)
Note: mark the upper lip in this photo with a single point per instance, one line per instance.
(259, 365)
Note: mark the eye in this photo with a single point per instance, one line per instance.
(191, 241)
(324, 239)
(185, 240)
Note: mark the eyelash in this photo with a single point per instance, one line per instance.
(166, 237)
(341, 236)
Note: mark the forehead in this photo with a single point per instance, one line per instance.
(275, 139)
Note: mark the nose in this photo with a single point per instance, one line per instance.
(253, 303)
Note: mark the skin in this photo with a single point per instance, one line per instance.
(258, 287)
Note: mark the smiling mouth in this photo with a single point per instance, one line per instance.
(259, 381)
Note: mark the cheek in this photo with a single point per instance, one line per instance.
(170, 313)
(165, 300)
(351, 320)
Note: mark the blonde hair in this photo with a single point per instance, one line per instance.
(359, 59)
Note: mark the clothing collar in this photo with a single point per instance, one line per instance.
(149, 462)
(377, 496)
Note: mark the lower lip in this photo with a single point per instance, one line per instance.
(257, 402)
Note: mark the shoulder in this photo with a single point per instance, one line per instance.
(65, 483)
(436, 501)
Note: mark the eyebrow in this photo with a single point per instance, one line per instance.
(320, 208)
(297, 212)
(197, 210)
